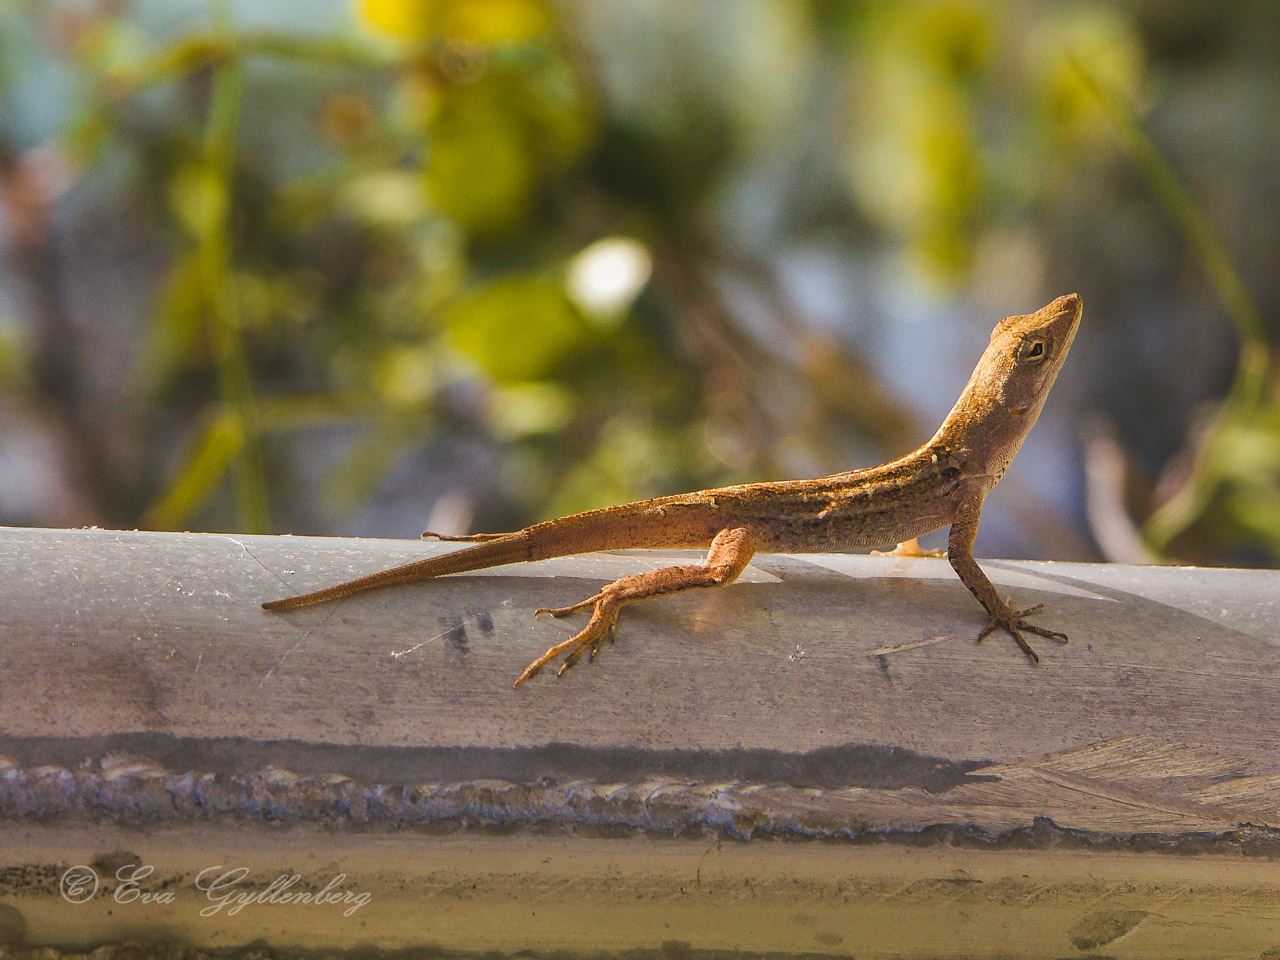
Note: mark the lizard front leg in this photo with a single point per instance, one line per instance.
(960, 553)
(730, 552)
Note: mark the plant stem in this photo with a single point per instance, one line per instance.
(234, 382)
(1249, 386)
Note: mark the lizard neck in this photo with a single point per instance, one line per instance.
(1000, 403)
(984, 430)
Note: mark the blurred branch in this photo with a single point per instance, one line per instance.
(735, 368)
(27, 197)
(1248, 389)
(214, 49)
(1105, 480)
(842, 383)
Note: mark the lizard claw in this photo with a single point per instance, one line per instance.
(1014, 621)
(590, 646)
(588, 640)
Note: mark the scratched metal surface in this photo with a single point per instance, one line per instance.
(823, 696)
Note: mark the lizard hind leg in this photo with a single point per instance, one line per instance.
(730, 552)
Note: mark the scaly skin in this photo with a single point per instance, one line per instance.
(943, 482)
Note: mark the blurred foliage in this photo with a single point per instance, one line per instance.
(1233, 487)
(463, 219)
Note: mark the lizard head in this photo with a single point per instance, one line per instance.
(1009, 386)
(1026, 352)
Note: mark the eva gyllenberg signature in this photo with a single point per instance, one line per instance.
(220, 887)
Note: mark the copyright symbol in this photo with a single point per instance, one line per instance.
(78, 884)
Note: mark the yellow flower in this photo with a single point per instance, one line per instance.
(492, 22)
(485, 22)
(411, 20)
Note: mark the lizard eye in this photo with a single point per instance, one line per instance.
(1033, 351)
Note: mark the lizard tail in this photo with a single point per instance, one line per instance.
(512, 548)
(634, 525)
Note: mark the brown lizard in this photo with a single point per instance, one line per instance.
(943, 482)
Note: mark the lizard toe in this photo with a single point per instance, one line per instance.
(588, 642)
(552, 652)
(1044, 632)
(559, 612)
(1020, 617)
(1014, 622)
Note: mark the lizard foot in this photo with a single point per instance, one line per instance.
(728, 555)
(1014, 621)
(588, 640)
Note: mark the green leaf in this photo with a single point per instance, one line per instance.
(528, 409)
(480, 169)
(198, 196)
(221, 443)
(385, 198)
(175, 341)
(517, 328)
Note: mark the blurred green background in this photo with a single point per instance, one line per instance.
(375, 266)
